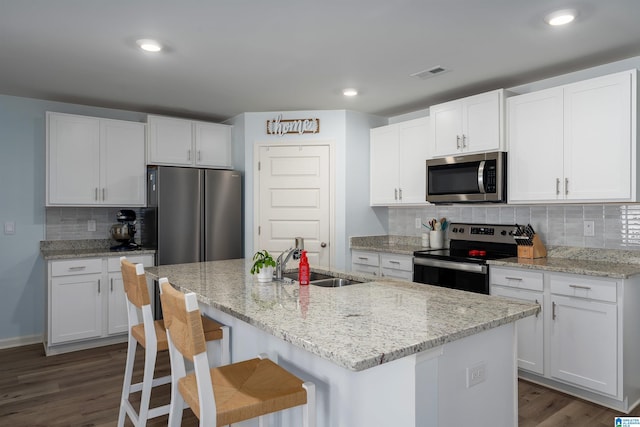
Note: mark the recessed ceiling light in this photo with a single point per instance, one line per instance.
(560, 17)
(350, 92)
(149, 45)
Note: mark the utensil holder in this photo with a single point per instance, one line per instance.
(536, 250)
(436, 239)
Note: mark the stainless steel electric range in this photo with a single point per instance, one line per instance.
(464, 264)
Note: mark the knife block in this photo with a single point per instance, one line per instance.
(537, 250)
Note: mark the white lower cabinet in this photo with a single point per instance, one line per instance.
(524, 286)
(396, 266)
(382, 264)
(87, 302)
(365, 262)
(586, 339)
(583, 333)
(75, 300)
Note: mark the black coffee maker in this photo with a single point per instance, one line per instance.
(124, 231)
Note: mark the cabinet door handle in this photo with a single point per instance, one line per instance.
(557, 186)
(81, 267)
(323, 245)
(517, 279)
(111, 285)
(540, 308)
(199, 156)
(400, 193)
(99, 280)
(394, 262)
(458, 142)
(189, 155)
(566, 186)
(104, 194)
(553, 310)
(586, 288)
(464, 141)
(395, 193)
(96, 196)
(364, 258)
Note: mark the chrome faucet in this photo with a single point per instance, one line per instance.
(295, 252)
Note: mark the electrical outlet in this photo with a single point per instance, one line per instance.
(589, 228)
(418, 223)
(91, 225)
(476, 374)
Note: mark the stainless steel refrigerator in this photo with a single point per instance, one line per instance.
(193, 215)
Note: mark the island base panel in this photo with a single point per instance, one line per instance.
(427, 389)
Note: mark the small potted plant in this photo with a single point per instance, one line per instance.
(263, 265)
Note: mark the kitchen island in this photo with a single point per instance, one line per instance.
(381, 353)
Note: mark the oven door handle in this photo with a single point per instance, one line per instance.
(452, 265)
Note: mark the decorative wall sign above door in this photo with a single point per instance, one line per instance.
(278, 126)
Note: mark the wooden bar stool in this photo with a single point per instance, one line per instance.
(226, 394)
(152, 336)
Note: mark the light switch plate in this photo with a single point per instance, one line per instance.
(91, 225)
(418, 223)
(9, 227)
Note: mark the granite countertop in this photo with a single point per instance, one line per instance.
(358, 326)
(403, 245)
(71, 249)
(613, 263)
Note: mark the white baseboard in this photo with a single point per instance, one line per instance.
(20, 341)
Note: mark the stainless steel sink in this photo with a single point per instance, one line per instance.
(324, 280)
(333, 282)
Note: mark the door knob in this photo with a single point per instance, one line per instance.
(323, 245)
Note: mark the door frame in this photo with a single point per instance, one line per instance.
(332, 186)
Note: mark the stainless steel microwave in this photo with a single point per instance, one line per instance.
(468, 178)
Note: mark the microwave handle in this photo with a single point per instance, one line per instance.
(481, 177)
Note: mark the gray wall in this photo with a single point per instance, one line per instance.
(350, 133)
(22, 195)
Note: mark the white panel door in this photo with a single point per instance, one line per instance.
(446, 128)
(213, 145)
(413, 139)
(118, 316)
(535, 160)
(530, 329)
(584, 343)
(383, 150)
(294, 200)
(73, 159)
(170, 141)
(482, 122)
(123, 172)
(598, 134)
(76, 308)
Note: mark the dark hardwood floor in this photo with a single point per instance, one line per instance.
(83, 389)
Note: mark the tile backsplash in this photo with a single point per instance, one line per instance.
(68, 223)
(615, 226)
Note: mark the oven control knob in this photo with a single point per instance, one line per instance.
(455, 230)
(461, 229)
(503, 232)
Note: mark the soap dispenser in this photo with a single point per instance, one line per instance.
(303, 269)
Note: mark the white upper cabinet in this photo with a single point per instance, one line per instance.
(575, 142)
(94, 161)
(469, 125)
(397, 165)
(536, 156)
(181, 142)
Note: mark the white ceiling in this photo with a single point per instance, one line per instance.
(225, 57)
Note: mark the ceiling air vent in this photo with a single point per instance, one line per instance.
(431, 72)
